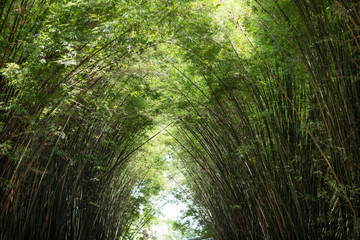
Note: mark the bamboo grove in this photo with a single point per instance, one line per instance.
(260, 98)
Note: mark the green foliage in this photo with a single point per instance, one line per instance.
(259, 100)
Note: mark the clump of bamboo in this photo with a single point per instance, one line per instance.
(69, 127)
(275, 154)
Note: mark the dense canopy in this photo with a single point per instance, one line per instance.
(247, 110)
